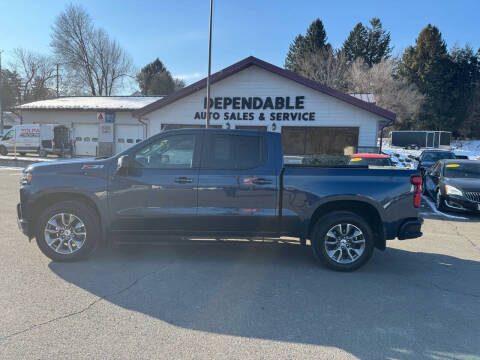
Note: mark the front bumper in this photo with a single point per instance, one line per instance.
(410, 229)
(23, 224)
(459, 203)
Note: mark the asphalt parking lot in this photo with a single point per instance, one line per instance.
(420, 299)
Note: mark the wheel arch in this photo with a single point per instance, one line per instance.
(48, 199)
(361, 208)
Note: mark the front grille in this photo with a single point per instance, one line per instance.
(474, 196)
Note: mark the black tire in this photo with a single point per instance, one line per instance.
(325, 223)
(23, 154)
(439, 201)
(83, 212)
(42, 153)
(3, 150)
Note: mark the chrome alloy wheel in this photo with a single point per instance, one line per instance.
(344, 243)
(65, 233)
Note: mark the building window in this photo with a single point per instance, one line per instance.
(86, 139)
(120, 140)
(130, 141)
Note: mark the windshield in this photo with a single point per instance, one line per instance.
(471, 170)
(370, 161)
(435, 156)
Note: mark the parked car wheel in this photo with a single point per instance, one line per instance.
(3, 150)
(439, 201)
(342, 241)
(23, 154)
(42, 153)
(67, 231)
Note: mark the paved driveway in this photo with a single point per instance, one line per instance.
(418, 300)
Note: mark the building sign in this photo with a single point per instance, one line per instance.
(110, 117)
(278, 108)
(106, 132)
(100, 116)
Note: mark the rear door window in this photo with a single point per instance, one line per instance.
(234, 152)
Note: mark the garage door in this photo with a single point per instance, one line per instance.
(319, 140)
(126, 136)
(86, 139)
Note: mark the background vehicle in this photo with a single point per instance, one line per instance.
(217, 183)
(370, 159)
(429, 157)
(455, 185)
(44, 139)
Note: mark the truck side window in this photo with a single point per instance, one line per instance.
(225, 152)
(173, 152)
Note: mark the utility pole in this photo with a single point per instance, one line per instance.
(1, 96)
(207, 118)
(57, 79)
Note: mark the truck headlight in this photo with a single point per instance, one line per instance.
(452, 190)
(26, 178)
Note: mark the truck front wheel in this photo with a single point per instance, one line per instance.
(342, 241)
(67, 231)
(3, 150)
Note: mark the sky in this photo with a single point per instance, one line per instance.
(177, 31)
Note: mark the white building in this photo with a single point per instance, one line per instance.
(253, 94)
(250, 94)
(86, 116)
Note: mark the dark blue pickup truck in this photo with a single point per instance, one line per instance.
(216, 184)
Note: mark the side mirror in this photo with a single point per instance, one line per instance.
(124, 163)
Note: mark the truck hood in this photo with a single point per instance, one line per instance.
(69, 164)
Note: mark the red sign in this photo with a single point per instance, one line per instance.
(100, 117)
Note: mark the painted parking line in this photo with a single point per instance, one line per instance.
(436, 212)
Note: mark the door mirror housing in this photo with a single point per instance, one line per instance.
(124, 163)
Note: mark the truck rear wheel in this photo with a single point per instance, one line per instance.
(67, 231)
(342, 241)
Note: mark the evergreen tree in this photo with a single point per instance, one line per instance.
(303, 47)
(372, 44)
(155, 79)
(316, 37)
(446, 80)
(294, 51)
(10, 88)
(356, 44)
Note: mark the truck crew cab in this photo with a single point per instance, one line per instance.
(217, 183)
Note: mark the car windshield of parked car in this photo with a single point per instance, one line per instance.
(362, 161)
(462, 171)
(435, 156)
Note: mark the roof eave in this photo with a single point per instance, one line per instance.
(250, 61)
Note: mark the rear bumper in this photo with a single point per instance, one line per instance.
(410, 229)
(23, 224)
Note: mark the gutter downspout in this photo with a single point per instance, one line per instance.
(145, 126)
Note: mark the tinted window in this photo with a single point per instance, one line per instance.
(471, 170)
(8, 135)
(370, 161)
(171, 152)
(435, 156)
(234, 152)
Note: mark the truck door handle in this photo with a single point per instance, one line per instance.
(183, 180)
(262, 181)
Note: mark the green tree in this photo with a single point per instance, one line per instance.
(294, 52)
(302, 47)
(10, 88)
(155, 79)
(356, 44)
(372, 43)
(429, 67)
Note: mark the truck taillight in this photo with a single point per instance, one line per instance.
(416, 180)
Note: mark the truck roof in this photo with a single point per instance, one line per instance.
(371, 156)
